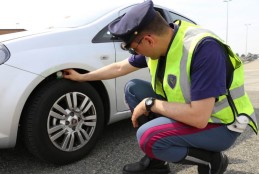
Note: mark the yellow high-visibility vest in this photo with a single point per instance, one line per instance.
(176, 82)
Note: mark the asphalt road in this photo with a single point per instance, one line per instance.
(118, 147)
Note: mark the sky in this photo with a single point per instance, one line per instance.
(241, 33)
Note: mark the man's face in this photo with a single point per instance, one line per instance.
(144, 45)
(134, 46)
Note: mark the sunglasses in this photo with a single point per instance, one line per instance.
(131, 50)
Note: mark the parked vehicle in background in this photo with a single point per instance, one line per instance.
(59, 120)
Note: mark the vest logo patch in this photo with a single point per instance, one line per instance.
(171, 80)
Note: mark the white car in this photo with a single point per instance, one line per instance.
(60, 120)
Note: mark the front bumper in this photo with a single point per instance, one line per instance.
(15, 87)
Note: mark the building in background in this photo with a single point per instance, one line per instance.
(7, 31)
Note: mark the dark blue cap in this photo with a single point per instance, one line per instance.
(130, 25)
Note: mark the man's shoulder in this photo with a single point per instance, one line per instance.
(138, 61)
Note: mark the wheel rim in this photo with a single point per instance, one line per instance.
(71, 121)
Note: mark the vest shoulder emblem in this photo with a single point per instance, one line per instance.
(171, 80)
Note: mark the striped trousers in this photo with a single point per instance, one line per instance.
(168, 140)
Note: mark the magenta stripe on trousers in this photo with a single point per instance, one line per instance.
(153, 134)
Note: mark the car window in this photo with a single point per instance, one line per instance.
(164, 14)
(104, 36)
(175, 16)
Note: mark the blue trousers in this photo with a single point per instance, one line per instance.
(166, 139)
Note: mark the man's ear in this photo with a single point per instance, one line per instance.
(150, 40)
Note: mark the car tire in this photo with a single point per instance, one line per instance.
(63, 121)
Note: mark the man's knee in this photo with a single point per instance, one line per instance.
(131, 85)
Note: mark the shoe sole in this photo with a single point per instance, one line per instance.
(224, 165)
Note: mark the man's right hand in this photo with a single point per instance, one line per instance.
(72, 75)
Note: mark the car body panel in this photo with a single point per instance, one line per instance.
(37, 55)
(27, 48)
(20, 84)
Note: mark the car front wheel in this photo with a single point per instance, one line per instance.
(62, 121)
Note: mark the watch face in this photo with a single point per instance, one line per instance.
(149, 102)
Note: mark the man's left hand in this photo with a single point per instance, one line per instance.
(139, 110)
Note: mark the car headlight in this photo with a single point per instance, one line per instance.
(4, 54)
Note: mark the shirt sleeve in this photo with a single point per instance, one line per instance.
(138, 61)
(208, 70)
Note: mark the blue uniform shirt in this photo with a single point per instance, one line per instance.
(208, 69)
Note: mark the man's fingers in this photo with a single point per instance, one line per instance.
(67, 73)
(134, 123)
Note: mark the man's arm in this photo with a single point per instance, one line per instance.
(195, 114)
(108, 72)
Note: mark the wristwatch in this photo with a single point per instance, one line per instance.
(149, 103)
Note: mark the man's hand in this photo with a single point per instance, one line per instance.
(72, 75)
(139, 110)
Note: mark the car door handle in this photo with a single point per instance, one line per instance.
(104, 57)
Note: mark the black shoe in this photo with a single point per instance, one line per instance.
(147, 166)
(217, 166)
